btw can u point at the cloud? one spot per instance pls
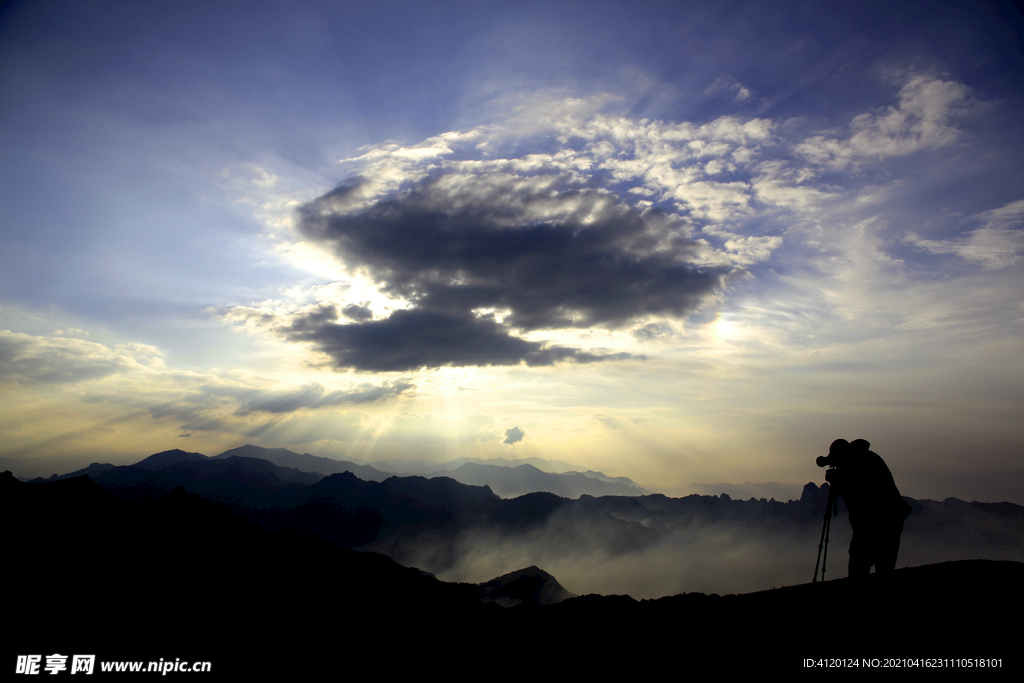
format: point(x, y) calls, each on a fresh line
point(480, 259)
point(505, 245)
point(731, 88)
point(358, 313)
point(553, 256)
point(513, 435)
point(58, 360)
point(996, 245)
point(922, 120)
point(412, 339)
point(314, 396)
point(191, 413)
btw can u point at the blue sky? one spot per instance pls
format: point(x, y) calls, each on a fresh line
point(684, 242)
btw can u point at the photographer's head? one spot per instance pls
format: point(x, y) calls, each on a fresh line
point(837, 454)
point(839, 447)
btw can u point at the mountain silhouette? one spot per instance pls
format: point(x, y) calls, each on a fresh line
point(159, 461)
point(282, 457)
point(465, 532)
point(530, 585)
point(184, 577)
point(511, 482)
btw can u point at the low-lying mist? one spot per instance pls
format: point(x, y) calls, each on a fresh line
point(712, 559)
point(609, 556)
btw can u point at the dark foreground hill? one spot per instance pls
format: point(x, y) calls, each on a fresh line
point(89, 573)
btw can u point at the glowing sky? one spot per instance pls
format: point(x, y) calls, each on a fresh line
point(680, 242)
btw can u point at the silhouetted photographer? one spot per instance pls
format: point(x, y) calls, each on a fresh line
point(877, 510)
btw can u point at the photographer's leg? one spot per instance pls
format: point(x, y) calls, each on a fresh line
point(860, 558)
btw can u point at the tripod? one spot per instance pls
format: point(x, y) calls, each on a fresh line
point(831, 510)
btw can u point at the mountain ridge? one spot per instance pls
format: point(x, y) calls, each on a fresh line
point(129, 555)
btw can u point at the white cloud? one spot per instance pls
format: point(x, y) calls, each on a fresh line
point(998, 244)
point(923, 120)
point(753, 249)
point(59, 360)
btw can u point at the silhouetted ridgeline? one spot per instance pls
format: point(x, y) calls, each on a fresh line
point(647, 546)
point(506, 478)
point(184, 577)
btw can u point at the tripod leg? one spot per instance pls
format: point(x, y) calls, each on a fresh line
point(832, 512)
point(830, 505)
point(824, 560)
point(824, 528)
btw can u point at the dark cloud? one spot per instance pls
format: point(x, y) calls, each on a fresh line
point(357, 312)
point(513, 435)
point(481, 258)
point(417, 338)
point(591, 262)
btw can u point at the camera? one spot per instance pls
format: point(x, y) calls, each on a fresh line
point(831, 474)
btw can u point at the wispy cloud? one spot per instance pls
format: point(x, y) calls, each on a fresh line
point(60, 360)
point(998, 244)
point(313, 396)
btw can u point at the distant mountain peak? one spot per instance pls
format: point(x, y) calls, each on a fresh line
point(163, 459)
point(530, 585)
